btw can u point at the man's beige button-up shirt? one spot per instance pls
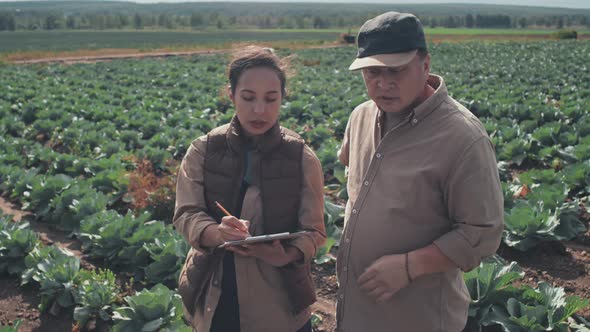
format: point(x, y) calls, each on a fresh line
point(432, 179)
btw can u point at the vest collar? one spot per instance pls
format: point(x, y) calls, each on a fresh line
point(237, 139)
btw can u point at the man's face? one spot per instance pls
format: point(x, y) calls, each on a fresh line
point(394, 89)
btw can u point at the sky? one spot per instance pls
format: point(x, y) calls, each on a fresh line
point(535, 3)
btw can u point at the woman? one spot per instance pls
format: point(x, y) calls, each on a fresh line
point(270, 182)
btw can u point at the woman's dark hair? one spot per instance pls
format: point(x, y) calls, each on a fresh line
point(255, 57)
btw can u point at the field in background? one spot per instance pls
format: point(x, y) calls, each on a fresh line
point(84, 144)
point(145, 40)
point(27, 45)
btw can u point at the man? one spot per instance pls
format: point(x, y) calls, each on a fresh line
point(425, 200)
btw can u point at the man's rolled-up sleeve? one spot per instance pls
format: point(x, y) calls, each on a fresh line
point(190, 212)
point(476, 206)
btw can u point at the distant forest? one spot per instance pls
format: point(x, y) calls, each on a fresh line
point(99, 15)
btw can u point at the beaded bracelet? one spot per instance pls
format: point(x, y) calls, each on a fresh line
point(408, 268)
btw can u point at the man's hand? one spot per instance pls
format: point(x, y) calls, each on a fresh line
point(274, 253)
point(385, 277)
point(233, 229)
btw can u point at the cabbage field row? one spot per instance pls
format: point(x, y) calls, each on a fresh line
point(93, 149)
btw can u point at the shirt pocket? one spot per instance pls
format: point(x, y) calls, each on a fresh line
point(399, 193)
point(413, 194)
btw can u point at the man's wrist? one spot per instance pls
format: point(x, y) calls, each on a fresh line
point(407, 267)
point(414, 265)
point(428, 260)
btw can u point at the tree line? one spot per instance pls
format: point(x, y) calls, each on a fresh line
point(10, 21)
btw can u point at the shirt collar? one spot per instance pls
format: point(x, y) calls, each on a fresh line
point(423, 110)
point(420, 112)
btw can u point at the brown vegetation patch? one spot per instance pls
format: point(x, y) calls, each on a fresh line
point(152, 190)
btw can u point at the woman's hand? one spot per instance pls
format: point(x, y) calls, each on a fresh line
point(233, 229)
point(274, 253)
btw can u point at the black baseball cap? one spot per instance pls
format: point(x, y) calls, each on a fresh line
point(389, 40)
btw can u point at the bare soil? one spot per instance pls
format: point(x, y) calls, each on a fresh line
point(91, 56)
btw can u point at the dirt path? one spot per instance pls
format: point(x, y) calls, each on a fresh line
point(117, 54)
point(47, 234)
point(96, 58)
point(139, 55)
point(22, 302)
point(326, 288)
point(8, 208)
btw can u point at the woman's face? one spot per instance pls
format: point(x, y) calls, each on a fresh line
point(257, 100)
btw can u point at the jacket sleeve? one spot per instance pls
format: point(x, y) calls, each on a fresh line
point(311, 210)
point(190, 217)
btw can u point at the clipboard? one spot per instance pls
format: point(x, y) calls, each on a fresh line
point(264, 238)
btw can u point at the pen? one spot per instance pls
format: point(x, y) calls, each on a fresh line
point(226, 213)
point(223, 209)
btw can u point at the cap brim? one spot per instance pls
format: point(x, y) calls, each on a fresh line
point(383, 60)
